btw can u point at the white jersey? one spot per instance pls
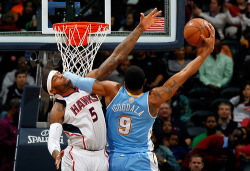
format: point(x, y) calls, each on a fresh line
point(84, 122)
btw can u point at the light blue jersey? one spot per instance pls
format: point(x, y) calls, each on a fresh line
point(129, 124)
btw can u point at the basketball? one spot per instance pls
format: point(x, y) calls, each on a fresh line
point(193, 31)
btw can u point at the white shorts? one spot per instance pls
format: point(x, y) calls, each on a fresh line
point(77, 159)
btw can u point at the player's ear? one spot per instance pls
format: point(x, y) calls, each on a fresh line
point(53, 91)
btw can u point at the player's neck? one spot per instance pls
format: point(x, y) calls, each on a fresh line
point(135, 92)
point(67, 91)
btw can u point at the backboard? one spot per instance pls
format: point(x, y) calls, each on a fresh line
point(116, 13)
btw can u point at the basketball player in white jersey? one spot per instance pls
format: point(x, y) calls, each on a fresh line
point(131, 113)
point(79, 114)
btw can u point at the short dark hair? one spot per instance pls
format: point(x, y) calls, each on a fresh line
point(134, 78)
point(174, 133)
point(227, 103)
point(20, 71)
point(196, 155)
point(211, 115)
point(45, 78)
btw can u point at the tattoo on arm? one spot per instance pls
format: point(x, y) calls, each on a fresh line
point(106, 68)
point(59, 108)
point(52, 117)
point(168, 89)
point(57, 113)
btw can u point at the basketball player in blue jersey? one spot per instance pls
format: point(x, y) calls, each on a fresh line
point(131, 113)
point(79, 113)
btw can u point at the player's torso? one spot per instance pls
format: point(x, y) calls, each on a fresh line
point(84, 122)
point(129, 123)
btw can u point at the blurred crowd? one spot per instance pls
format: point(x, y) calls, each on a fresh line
point(19, 15)
point(206, 125)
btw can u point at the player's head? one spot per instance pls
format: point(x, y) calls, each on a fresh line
point(54, 82)
point(134, 78)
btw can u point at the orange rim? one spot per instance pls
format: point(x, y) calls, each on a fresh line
point(81, 26)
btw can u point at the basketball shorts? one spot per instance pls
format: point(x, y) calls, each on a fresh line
point(78, 159)
point(133, 162)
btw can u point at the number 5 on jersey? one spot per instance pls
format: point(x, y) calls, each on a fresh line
point(125, 124)
point(93, 114)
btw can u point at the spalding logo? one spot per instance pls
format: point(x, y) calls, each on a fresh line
point(41, 139)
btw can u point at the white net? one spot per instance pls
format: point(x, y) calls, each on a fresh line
point(77, 52)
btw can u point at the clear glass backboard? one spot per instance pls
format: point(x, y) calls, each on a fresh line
point(122, 16)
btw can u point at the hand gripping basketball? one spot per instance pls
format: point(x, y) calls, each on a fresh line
point(193, 31)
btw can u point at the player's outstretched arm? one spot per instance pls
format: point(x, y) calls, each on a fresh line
point(91, 85)
point(125, 47)
point(160, 94)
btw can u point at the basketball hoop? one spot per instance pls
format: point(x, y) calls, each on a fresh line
point(78, 43)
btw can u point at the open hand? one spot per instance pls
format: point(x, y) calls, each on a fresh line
point(149, 20)
point(58, 159)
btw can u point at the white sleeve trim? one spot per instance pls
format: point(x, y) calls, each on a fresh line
point(55, 132)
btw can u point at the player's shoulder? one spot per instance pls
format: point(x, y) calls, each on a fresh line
point(115, 86)
point(154, 98)
point(61, 102)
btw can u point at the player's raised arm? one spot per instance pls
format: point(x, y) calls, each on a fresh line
point(160, 94)
point(125, 47)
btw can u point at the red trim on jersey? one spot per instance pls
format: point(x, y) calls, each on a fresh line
point(65, 95)
point(106, 155)
point(83, 142)
point(72, 158)
point(70, 134)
